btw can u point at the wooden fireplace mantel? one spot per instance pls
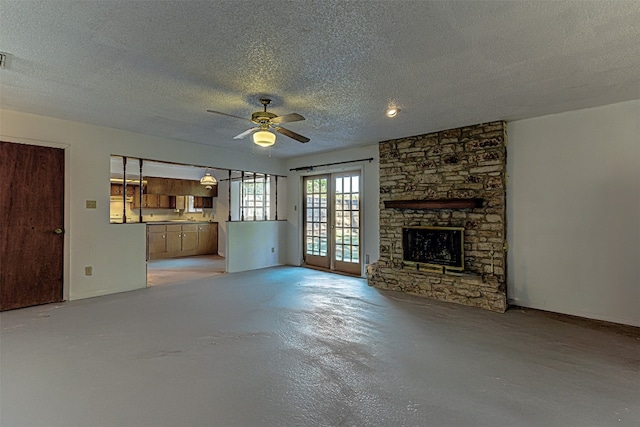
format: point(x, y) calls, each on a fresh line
point(434, 204)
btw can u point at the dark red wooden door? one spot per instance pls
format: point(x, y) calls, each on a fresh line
point(31, 225)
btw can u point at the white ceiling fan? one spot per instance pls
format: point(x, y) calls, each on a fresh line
point(265, 121)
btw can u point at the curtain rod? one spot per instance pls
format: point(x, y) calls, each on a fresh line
point(310, 168)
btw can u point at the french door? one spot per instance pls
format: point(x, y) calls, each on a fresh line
point(332, 212)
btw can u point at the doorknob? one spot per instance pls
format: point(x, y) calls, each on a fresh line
point(58, 231)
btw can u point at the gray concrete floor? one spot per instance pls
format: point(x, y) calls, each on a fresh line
point(293, 346)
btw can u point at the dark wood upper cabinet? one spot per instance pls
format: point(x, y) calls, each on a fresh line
point(160, 193)
point(166, 202)
point(179, 187)
point(203, 202)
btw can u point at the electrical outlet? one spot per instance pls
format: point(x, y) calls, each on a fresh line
point(88, 270)
point(273, 250)
point(91, 204)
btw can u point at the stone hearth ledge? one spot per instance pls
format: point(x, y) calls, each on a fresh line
point(483, 291)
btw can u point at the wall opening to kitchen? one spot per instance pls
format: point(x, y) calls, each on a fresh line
point(187, 220)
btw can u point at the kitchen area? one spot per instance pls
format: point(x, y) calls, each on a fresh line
point(226, 220)
point(180, 212)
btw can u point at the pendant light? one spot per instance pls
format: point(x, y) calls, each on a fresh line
point(208, 180)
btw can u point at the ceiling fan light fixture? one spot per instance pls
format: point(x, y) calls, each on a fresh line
point(208, 180)
point(264, 138)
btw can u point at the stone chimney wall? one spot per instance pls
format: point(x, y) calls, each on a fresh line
point(463, 163)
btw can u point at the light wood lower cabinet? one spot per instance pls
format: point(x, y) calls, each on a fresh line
point(156, 241)
point(208, 238)
point(174, 240)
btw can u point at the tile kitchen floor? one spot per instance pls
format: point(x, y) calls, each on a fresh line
point(177, 270)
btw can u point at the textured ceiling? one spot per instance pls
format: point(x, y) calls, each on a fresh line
point(155, 67)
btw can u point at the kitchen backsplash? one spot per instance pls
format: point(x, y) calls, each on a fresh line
point(156, 215)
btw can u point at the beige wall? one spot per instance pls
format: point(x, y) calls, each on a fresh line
point(573, 219)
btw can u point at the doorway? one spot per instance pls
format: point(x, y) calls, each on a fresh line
point(331, 222)
point(32, 243)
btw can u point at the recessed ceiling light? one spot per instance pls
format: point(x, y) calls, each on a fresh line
point(392, 111)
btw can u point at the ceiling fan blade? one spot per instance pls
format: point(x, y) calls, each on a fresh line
point(293, 135)
point(228, 115)
point(287, 118)
point(246, 132)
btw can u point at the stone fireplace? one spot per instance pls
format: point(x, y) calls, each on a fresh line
point(442, 216)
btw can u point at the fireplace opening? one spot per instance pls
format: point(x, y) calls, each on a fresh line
point(436, 248)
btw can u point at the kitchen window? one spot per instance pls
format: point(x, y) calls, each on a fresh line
point(190, 205)
point(255, 195)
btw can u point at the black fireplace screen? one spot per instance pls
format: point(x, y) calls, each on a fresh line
point(437, 246)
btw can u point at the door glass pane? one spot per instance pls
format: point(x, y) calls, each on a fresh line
point(323, 229)
point(355, 201)
point(347, 253)
point(346, 233)
point(355, 253)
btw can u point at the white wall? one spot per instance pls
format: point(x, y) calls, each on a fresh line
point(573, 201)
point(116, 251)
point(370, 197)
point(255, 244)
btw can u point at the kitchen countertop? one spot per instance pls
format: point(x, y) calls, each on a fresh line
point(164, 222)
point(180, 222)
